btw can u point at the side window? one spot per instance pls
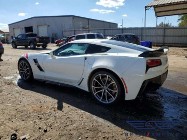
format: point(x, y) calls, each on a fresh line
point(19, 36)
point(129, 37)
point(96, 49)
point(100, 36)
point(90, 36)
point(23, 36)
point(71, 49)
point(80, 37)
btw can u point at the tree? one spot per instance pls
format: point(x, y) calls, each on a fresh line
point(162, 24)
point(182, 21)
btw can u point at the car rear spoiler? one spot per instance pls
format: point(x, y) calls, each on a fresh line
point(155, 53)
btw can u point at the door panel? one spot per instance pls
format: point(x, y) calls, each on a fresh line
point(66, 64)
point(64, 69)
point(19, 40)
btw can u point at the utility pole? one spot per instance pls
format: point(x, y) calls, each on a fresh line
point(122, 26)
point(145, 17)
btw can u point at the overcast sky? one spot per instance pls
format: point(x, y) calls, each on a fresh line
point(131, 11)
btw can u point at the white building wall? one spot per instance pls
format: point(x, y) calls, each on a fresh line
point(57, 25)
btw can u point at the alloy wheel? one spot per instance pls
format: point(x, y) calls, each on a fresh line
point(104, 88)
point(24, 70)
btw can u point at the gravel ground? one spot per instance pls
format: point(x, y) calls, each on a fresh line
point(41, 110)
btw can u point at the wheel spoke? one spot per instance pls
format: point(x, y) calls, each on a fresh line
point(21, 65)
point(101, 79)
point(112, 90)
point(96, 87)
point(23, 75)
point(110, 84)
point(21, 71)
point(106, 79)
point(102, 95)
point(98, 82)
point(110, 95)
point(98, 91)
point(106, 97)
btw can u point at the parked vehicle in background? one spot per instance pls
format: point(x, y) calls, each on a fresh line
point(59, 42)
point(89, 36)
point(83, 36)
point(127, 37)
point(30, 39)
point(1, 50)
point(97, 66)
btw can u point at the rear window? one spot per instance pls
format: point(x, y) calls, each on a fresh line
point(96, 49)
point(90, 36)
point(80, 37)
point(100, 36)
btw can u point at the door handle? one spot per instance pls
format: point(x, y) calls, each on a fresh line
point(85, 58)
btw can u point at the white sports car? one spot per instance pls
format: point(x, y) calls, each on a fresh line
point(110, 70)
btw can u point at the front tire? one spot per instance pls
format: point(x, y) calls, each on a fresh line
point(14, 45)
point(25, 70)
point(105, 88)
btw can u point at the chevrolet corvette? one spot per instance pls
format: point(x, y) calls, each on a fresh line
point(111, 70)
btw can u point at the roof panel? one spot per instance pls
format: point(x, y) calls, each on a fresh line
point(168, 7)
point(168, 13)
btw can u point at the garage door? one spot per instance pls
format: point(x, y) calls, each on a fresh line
point(42, 30)
point(17, 31)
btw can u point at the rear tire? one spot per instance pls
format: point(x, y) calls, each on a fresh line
point(105, 88)
point(25, 70)
point(14, 45)
point(44, 46)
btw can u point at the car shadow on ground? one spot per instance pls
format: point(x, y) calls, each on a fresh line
point(162, 116)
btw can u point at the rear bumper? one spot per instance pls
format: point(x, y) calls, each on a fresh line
point(152, 84)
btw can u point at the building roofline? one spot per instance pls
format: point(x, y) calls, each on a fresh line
point(2, 31)
point(157, 3)
point(59, 16)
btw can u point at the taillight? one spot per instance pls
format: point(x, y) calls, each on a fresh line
point(1, 44)
point(153, 63)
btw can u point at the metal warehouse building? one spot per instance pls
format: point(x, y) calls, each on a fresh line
point(55, 26)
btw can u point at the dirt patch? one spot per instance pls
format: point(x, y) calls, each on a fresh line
point(179, 51)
